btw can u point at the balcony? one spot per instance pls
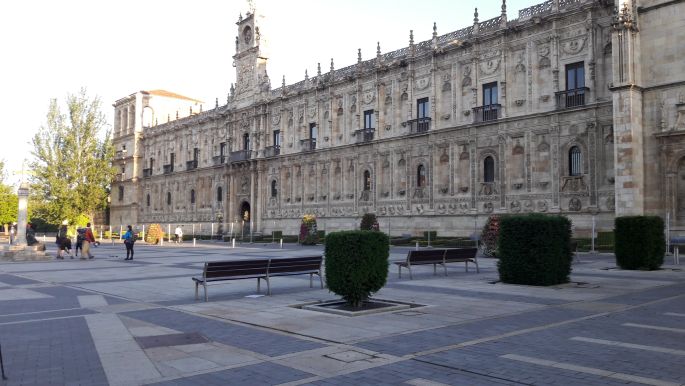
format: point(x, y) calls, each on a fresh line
point(308, 144)
point(147, 172)
point(487, 113)
point(418, 125)
point(219, 159)
point(119, 177)
point(272, 151)
point(571, 98)
point(191, 165)
point(364, 135)
point(240, 155)
point(168, 169)
point(121, 154)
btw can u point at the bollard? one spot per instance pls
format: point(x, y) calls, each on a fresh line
point(281, 243)
point(43, 238)
point(417, 245)
point(193, 241)
point(161, 241)
point(233, 243)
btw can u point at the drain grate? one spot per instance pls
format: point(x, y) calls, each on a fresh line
point(170, 340)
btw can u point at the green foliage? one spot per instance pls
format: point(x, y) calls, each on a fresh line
point(369, 222)
point(154, 234)
point(640, 242)
point(9, 205)
point(356, 264)
point(489, 235)
point(534, 249)
point(72, 163)
point(308, 231)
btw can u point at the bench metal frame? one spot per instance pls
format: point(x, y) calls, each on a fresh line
point(436, 256)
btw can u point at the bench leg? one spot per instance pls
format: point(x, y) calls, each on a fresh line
point(399, 271)
point(321, 280)
point(444, 266)
point(476, 263)
point(435, 271)
point(268, 287)
point(196, 294)
point(466, 263)
point(311, 280)
point(205, 286)
point(259, 280)
point(409, 268)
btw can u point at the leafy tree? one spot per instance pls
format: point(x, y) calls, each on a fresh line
point(72, 166)
point(8, 201)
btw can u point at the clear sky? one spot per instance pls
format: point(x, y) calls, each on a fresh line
point(114, 48)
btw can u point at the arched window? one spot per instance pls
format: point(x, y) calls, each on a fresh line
point(575, 161)
point(421, 176)
point(488, 169)
point(168, 198)
point(274, 189)
point(219, 194)
point(192, 196)
point(367, 180)
point(148, 200)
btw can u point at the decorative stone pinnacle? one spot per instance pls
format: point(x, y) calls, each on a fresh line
point(318, 69)
point(332, 67)
point(435, 30)
point(283, 84)
point(190, 111)
point(168, 118)
point(378, 48)
point(176, 114)
point(306, 76)
point(359, 55)
point(411, 37)
point(504, 7)
point(475, 16)
point(217, 102)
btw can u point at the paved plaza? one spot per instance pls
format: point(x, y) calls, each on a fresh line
point(109, 321)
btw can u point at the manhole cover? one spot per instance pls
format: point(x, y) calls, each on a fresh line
point(170, 340)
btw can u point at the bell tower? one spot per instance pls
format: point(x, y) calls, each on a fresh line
point(250, 57)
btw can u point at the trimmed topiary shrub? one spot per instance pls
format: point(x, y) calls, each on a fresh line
point(356, 264)
point(488, 236)
point(534, 249)
point(308, 233)
point(639, 242)
point(369, 222)
point(153, 234)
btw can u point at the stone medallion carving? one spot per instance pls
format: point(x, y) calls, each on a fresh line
point(466, 80)
point(488, 207)
point(423, 83)
point(275, 119)
point(574, 204)
point(543, 56)
point(611, 203)
point(573, 47)
point(388, 100)
point(369, 97)
point(515, 206)
point(542, 206)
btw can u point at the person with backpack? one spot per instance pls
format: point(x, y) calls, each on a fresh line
point(129, 240)
point(63, 241)
point(80, 236)
point(88, 240)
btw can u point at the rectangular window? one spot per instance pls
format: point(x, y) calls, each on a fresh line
point(277, 138)
point(575, 84)
point(196, 154)
point(172, 160)
point(490, 94)
point(246, 141)
point(121, 193)
point(313, 134)
point(423, 108)
point(152, 163)
point(222, 149)
point(369, 120)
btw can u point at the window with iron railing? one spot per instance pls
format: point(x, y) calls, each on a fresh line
point(313, 135)
point(575, 93)
point(488, 169)
point(422, 115)
point(490, 110)
point(575, 161)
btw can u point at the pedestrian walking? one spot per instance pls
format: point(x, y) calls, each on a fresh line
point(129, 240)
point(88, 240)
point(80, 236)
point(63, 241)
point(179, 234)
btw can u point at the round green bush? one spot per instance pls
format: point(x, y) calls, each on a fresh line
point(534, 249)
point(639, 242)
point(356, 264)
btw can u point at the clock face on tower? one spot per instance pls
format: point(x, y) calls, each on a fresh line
point(247, 35)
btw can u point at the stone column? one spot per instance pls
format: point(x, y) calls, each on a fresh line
point(23, 194)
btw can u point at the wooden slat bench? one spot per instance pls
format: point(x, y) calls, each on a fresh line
point(438, 257)
point(260, 269)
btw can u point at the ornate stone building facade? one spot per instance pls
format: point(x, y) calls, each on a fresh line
point(575, 107)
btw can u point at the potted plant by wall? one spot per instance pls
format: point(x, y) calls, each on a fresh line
point(308, 231)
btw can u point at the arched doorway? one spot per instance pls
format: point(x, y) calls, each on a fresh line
point(245, 217)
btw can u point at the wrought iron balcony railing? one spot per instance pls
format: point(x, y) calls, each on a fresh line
point(487, 113)
point(308, 144)
point(147, 172)
point(418, 125)
point(571, 98)
point(192, 164)
point(364, 135)
point(219, 159)
point(272, 151)
point(240, 155)
point(168, 169)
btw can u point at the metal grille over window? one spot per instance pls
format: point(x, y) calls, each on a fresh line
point(575, 158)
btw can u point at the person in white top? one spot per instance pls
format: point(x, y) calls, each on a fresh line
point(179, 234)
